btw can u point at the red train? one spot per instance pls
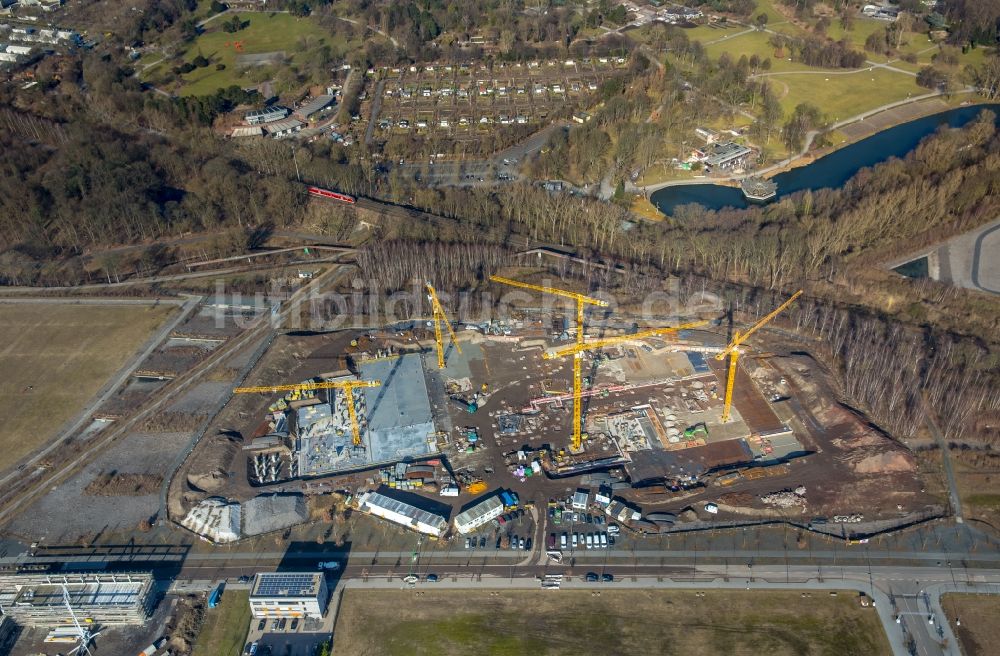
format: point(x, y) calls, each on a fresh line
point(331, 195)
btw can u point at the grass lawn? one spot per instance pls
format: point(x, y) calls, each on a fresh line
point(706, 33)
point(862, 28)
point(265, 33)
point(842, 96)
point(541, 622)
point(980, 615)
point(645, 209)
point(55, 359)
point(773, 16)
point(755, 43)
point(225, 626)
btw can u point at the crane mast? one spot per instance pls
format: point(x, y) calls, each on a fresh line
point(440, 318)
point(733, 352)
point(581, 301)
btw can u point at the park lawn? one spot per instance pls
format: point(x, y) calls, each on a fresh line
point(862, 28)
point(774, 17)
point(706, 33)
point(445, 622)
point(265, 33)
point(56, 357)
point(755, 43)
point(226, 626)
point(979, 632)
point(845, 95)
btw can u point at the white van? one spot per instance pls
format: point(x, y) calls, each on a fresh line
point(604, 540)
point(590, 540)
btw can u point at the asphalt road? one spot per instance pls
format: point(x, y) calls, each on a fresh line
point(907, 599)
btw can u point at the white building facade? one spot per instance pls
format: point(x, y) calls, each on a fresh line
point(289, 595)
point(483, 512)
point(402, 513)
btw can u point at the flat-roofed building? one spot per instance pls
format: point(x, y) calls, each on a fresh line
point(103, 598)
point(728, 155)
point(314, 107)
point(402, 513)
point(266, 115)
point(289, 595)
point(283, 128)
point(482, 512)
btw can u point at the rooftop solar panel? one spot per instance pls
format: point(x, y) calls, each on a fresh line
point(286, 585)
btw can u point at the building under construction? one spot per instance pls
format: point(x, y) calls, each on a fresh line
point(95, 598)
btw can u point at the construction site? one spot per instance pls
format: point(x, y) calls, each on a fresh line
point(677, 423)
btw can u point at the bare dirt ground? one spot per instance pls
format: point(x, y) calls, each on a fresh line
point(116, 484)
point(443, 622)
point(85, 506)
point(55, 358)
point(980, 617)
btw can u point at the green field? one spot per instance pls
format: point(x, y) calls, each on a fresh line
point(842, 96)
point(755, 43)
point(637, 621)
point(295, 37)
point(225, 626)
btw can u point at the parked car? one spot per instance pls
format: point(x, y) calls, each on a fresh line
point(613, 529)
point(521, 544)
point(590, 540)
point(562, 541)
point(591, 577)
point(608, 578)
point(261, 624)
point(274, 625)
point(482, 542)
point(604, 540)
point(513, 542)
point(282, 624)
point(295, 624)
point(432, 578)
point(576, 539)
point(243, 579)
point(468, 543)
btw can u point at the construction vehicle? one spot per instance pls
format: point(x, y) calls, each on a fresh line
point(733, 351)
point(346, 386)
point(476, 487)
point(468, 406)
point(581, 301)
point(439, 318)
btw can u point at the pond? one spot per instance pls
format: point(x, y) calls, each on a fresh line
point(833, 170)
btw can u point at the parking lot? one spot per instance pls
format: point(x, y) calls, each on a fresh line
point(462, 101)
point(290, 637)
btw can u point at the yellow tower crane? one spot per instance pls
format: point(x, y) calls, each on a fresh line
point(733, 351)
point(347, 386)
point(440, 318)
point(581, 301)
